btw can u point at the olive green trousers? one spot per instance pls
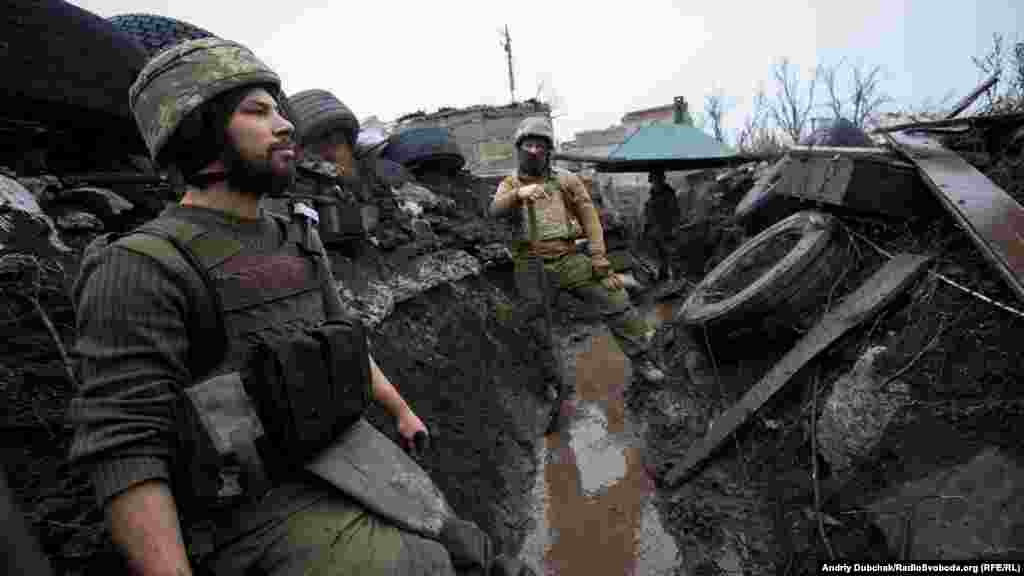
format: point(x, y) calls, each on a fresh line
point(574, 273)
point(331, 535)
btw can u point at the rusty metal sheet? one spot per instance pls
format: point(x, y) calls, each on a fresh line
point(993, 220)
point(819, 179)
point(863, 181)
point(884, 285)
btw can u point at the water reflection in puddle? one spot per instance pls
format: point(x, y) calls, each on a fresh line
point(594, 508)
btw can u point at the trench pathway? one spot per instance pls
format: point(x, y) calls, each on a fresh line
point(593, 500)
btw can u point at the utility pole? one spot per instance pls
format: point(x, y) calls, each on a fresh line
point(507, 45)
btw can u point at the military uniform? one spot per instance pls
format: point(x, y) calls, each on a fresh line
point(154, 404)
point(564, 201)
point(661, 219)
point(566, 268)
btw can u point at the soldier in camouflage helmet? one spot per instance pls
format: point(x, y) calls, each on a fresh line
point(558, 202)
point(210, 111)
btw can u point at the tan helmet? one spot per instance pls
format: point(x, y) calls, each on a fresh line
point(181, 78)
point(537, 126)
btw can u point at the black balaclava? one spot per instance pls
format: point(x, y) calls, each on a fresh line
point(534, 165)
point(202, 139)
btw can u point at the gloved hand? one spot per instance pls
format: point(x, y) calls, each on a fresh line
point(414, 434)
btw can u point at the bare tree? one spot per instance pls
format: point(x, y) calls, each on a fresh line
point(715, 108)
point(755, 135)
point(788, 109)
point(747, 133)
point(864, 98)
point(1007, 94)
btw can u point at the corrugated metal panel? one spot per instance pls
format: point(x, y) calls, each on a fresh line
point(669, 142)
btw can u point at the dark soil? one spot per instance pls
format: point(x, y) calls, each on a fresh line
point(476, 382)
point(754, 498)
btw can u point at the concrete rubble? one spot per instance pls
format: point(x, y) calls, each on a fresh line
point(857, 411)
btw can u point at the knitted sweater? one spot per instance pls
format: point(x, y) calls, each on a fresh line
point(132, 349)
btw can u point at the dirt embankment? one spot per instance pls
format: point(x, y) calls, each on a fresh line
point(435, 286)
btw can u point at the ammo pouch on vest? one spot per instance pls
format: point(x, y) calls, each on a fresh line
point(294, 395)
point(309, 388)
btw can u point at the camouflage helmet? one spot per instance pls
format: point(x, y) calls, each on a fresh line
point(536, 126)
point(181, 78)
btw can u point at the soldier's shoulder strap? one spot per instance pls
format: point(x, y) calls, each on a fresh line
point(189, 251)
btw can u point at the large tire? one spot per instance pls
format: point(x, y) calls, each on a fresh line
point(421, 145)
point(156, 33)
point(776, 277)
point(319, 112)
point(60, 61)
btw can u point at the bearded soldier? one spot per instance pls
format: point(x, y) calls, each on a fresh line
point(171, 420)
point(558, 201)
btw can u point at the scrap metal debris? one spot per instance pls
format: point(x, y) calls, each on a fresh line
point(895, 276)
point(993, 220)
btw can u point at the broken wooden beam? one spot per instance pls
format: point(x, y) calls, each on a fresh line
point(606, 164)
point(953, 122)
point(879, 153)
point(991, 217)
point(887, 283)
point(970, 98)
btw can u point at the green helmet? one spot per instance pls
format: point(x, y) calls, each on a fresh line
point(180, 79)
point(537, 126)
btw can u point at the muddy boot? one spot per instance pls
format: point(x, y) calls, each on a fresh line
point(647, 369)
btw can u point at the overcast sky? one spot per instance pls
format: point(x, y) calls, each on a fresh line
point(596, 60)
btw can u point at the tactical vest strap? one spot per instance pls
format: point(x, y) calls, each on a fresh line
point(190, 252)
point(572, 227)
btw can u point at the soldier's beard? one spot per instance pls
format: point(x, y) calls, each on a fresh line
point(532, 165)
point(256, 177)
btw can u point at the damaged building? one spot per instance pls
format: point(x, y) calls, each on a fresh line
point(483, 134)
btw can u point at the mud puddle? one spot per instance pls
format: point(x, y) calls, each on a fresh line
point(593, 500)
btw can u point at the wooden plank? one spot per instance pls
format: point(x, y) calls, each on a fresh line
point(993, 219)
point(829, 151)
point(970, 98)
point(605, 164)
point(875, 293)
point(964, 122)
